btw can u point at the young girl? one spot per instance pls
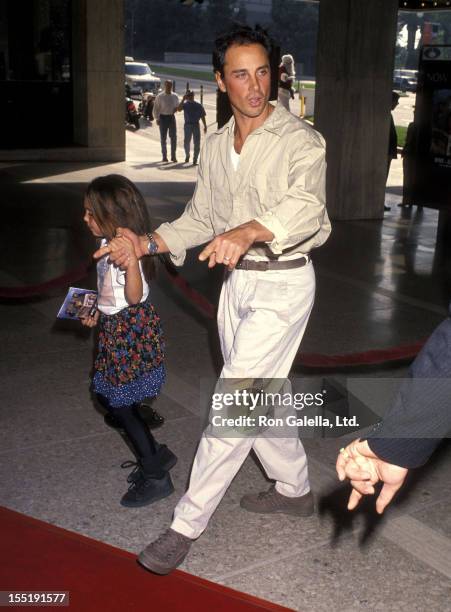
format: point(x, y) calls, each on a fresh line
point(129, 365)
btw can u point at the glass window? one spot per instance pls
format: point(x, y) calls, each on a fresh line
point(137, 69)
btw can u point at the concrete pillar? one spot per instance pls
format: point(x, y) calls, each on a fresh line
point(356, 45)
point(98, 77)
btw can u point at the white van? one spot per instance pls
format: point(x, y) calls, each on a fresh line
point(139, 77)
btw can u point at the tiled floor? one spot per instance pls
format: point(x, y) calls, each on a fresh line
point(380, 284)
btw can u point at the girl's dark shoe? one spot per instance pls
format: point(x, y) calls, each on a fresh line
point(166, 459)
point(147, 490)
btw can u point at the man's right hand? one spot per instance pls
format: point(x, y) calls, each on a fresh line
point(364, 469)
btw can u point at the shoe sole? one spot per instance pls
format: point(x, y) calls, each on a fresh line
point(153, 566)
point(141, 504)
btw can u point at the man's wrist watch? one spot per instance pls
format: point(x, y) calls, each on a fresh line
point(152, 247)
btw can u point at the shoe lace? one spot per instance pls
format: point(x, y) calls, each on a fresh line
point(134, 474)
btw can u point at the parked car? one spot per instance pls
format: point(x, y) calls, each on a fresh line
point(405, 80)
point(139, 77)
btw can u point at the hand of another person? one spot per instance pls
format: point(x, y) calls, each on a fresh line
point(90, 321)
point(364, 469)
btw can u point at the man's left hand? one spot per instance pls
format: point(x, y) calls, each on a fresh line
point(227, 248)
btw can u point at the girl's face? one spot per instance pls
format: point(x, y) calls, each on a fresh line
point(90, 221)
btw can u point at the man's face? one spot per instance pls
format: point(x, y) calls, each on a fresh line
point(168, 87)
point(247, 79)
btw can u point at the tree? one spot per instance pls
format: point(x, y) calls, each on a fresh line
point(168, 25)
point(295, 27)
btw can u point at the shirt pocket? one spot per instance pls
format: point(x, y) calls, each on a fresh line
point(266, 191)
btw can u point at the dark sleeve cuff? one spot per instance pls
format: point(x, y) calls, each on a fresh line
point(404, 452)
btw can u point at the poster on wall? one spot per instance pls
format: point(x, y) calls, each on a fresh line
point(433, 125)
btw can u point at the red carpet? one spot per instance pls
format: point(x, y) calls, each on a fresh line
point(36, 556)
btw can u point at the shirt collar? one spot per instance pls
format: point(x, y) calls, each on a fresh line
point(272, 124)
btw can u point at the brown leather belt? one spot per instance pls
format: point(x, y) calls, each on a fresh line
point(262, 266)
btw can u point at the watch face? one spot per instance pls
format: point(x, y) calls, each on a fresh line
point(152, 247)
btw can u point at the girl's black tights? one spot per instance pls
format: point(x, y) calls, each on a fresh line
point(138, 433)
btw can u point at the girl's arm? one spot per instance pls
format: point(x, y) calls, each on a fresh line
point(133, 288)
point(133, 282)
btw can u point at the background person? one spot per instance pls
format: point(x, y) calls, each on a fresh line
point(164, 109)
point(287, 76)
point(393, 137)
point(408, 154)
point(148, 104)
point(193, 113)
point(413, 427)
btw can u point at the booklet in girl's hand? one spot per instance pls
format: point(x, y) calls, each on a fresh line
point(79, 303)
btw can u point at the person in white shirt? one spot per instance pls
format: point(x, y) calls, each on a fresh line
point(165, 107)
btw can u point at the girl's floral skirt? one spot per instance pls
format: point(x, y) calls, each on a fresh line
point(129, 366)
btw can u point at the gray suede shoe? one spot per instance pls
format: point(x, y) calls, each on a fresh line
point(271, 502)
point(166, 553)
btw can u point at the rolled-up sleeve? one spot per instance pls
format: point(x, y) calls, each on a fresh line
point(301, 213)
point(194, 226)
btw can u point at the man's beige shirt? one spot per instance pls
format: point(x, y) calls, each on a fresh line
point(280, 182)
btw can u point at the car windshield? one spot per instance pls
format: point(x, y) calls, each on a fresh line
point(137, 69)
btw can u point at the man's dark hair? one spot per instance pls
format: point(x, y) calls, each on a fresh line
point(238, 35)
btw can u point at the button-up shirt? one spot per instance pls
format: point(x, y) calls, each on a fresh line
point(165, 104)
point(279, 182)
point(193, 112)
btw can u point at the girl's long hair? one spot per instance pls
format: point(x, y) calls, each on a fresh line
point(117, 202)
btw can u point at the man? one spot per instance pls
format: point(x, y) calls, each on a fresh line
point(393, 137)
point(164, 109)
point(260, 201)
point(193, 113)
point(413, 427)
